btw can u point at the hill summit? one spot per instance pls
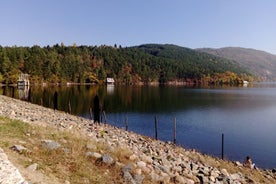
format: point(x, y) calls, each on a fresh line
point(259, 63)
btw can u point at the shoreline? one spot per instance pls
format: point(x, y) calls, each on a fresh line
point(173, 163)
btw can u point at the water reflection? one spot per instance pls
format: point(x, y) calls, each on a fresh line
point(23, 92)
point(245, 115)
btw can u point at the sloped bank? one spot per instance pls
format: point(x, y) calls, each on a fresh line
point(148, 161)
point(8, 172)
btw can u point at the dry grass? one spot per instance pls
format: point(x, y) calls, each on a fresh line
point(70, 163)
point(66, 163)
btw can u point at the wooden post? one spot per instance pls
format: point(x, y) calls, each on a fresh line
point(174, 135)
point(222, 146)
point(41, 101)
point(69, 107)
point(156, 128)
point(126, 123)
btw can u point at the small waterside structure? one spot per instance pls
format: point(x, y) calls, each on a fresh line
point(23, 80)
point(245, 83)
point(110, 81)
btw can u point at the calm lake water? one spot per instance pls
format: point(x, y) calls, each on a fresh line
point(245, 115)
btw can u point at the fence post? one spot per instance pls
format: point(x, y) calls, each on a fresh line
point(69, 107)
point(91, 113)
point(126, 123)
point(55, 101)
point(222, 146)
point(12, 92)
point(174, 135)
point(104, 115)
point(156, 128)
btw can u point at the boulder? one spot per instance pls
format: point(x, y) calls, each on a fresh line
point(18, 148)
point(32, 167)
point(107, 159)
point(50, 144)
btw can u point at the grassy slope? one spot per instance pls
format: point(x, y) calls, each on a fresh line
point(73, 166)
point(57, 166)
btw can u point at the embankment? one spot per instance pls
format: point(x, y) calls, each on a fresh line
point(147, 161)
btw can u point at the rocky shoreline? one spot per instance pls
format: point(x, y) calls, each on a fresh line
point(161, 162)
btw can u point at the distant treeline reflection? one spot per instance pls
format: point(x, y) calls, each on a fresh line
point(119, 99)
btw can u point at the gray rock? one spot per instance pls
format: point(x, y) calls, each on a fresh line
point(127, 168)
point(141, 164)
point(224, 172)
point(215, 173)
point(138, 178)
point(204, 170)
point(107, 159)
point(128, 178)
point(19, 148)
point(212, 178)
point(50, 144)
point(164, 169)
point(93, 154)
point(146, 159)
point(237, 163)
point(32, 167)
point(235, 176)
point(166, 177)
point(155, 177)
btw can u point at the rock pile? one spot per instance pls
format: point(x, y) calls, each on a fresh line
point(161, 162)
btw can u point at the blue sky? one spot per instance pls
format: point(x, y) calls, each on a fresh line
point(188, 23)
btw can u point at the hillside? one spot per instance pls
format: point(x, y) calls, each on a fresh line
point(259, 63)
point(150, 63)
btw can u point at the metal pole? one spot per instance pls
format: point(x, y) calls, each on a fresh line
point(174, 139)
point(126, 123)
point(105, 120)
point(91, 113)
point(222, 146)
point(156, 128)
point(69, 107)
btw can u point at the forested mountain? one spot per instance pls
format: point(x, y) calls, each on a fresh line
point(131, 65)
point(259, 63)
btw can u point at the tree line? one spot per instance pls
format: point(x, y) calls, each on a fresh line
point(130, 65)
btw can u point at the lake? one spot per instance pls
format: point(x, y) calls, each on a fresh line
point(245, 115)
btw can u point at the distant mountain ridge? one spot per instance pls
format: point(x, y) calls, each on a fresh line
point(258, 62)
